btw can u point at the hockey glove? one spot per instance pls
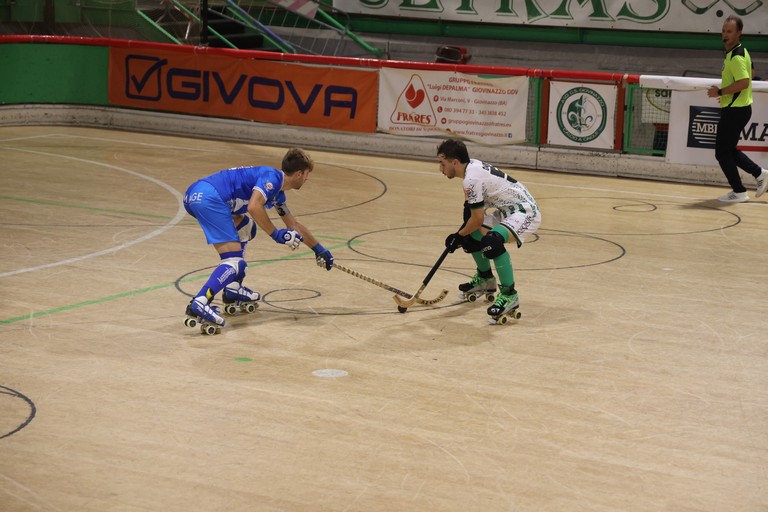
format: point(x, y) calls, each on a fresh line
point(453, 242)
point(324, 257)
point(288, 237)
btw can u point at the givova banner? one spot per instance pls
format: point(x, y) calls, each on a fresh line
point(582, 115)
point(230, 87)
point(481, 108)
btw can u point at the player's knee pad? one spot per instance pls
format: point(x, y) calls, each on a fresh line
point(238, 264)
point(469, 244)
point(246, 229)
point(493, 245)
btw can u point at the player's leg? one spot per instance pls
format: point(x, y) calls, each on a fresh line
point(246, 229)
point(483, 282)
point(215, 218)
point(518, 226)
point(742, 117)
point(727, 138)
point(236, 294)
point(494, 249)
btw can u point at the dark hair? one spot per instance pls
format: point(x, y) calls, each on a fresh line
point(296, 160)
point(737, 20)
point(453, 149)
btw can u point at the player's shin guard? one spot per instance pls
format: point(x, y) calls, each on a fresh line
point(231, 268)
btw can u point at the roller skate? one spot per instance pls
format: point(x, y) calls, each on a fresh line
point(505, 307)
point(205, 315)
point(238, 297)
point(478, 286)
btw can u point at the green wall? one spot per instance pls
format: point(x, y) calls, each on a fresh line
point(52, 73)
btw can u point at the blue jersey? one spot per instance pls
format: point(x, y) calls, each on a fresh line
point(214, 199)
point(236, 185)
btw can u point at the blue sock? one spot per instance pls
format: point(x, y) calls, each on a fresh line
point(220, 277)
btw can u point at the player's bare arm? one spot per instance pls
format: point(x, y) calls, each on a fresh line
point(259, 213)
point(474, 222)
point(292, 223)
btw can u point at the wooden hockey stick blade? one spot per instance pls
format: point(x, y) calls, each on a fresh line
point(418, 300)
point(405, 304)
point(355, 273)
point(437, 299)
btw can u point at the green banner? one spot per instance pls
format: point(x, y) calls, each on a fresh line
point(53, 73)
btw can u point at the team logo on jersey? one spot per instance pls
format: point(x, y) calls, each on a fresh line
point(581, 114)
point(269, 186)
point(702, 126)
point(413, 105)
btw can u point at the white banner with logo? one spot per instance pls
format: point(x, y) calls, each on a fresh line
point(693, 127)
point(485, 109)
point(693, 120)
point(582, 115)
point(694, 16)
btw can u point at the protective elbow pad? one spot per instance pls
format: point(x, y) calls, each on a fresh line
point(493, 245)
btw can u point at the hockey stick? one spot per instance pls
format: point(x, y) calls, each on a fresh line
point(398, 293)
point(403, 305)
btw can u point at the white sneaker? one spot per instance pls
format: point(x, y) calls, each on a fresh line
point(734, 197)
point(762, 183)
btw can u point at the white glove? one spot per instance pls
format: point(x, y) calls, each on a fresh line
point(288, 237)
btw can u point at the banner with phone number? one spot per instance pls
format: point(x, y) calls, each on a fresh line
point(485, 109)
point(272, 92)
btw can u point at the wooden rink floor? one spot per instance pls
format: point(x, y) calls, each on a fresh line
point(636, 379)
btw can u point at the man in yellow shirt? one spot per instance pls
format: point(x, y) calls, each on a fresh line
point(735, 93)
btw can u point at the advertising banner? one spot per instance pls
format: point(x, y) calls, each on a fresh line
point(582, 115)
point(694, 116)
point(481, 108)
point(693, 128)
point(694, 16)
point(217, 85)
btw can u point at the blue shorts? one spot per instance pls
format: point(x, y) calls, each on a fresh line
point(204, 203)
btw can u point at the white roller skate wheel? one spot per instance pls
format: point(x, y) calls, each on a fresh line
point(190, 322)
point(490, 297)
point(249, 308)
point(208, 329)
point(471, 297)
point(230, 309)
point(502, 320)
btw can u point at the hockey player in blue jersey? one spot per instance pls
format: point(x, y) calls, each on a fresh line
point(230, 206)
